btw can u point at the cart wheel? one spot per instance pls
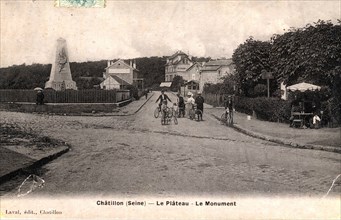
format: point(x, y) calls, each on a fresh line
point(156, 112)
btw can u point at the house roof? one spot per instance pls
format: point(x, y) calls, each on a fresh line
point(122, 61)
point(224, 62)
point(170, 59)
point(179, 52)
point(214, 65)
point(194, 64)
point(118, 79)
point(210, 68)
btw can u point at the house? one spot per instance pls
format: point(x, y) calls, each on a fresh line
point(214, 70)
point(177, 64)
point(122, 73)
point(114, 82)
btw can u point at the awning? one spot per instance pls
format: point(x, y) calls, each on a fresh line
point(166, 84)
point(302, 87)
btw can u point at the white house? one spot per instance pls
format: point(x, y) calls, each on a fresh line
point(214, 70)
point(177, 65)
point(125, 73)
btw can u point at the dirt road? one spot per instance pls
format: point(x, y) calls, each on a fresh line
point(136, 155)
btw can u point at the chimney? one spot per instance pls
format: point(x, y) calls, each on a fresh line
point(109, 62)
point(134, 64)
point(131, 63)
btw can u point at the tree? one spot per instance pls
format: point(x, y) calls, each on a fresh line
point(250, 59)
point(176, 83)
point(311, 53)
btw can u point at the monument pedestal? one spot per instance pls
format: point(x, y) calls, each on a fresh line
point(60, 76)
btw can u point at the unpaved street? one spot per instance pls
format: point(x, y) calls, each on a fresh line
point(136, 155)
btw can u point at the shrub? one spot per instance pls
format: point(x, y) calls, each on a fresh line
point(260, 90)
point(270, 109)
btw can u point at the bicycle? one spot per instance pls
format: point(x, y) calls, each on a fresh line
point(227, 118)
point(195, 113)
point(168, 115)
point(157, 112)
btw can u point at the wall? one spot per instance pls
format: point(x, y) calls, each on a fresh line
point(68, 96)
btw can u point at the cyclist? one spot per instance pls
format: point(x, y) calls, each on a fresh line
point(228, 104)
point(162, 97)
point(199, 100)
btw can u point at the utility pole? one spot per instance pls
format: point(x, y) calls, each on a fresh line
point(267, 75)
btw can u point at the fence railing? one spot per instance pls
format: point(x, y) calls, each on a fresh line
point(67, 96)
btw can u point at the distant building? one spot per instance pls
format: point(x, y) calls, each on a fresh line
point(177, 64)
point(122, 73)
point(213, 71)
point(113, 82)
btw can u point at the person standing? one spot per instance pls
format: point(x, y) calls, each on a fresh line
point(189, 104)
point(181, 105)
point(40, 97)
point(199, 100)
point(146, 93)
point(228, 104)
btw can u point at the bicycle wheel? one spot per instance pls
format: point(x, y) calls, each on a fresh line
point(170, 112)
point(175, 120)
point(223, 118)
point(156, 112)
point(162, 120)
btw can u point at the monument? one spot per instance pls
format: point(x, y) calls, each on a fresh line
point(60, 76)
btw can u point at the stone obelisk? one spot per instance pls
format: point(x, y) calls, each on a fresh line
point(60, 76)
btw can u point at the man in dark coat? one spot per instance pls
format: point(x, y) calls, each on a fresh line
point(162, 97)
point(199, 100)
point(40, 97)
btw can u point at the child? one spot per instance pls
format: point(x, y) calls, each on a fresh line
point(316, 121)
point(175, 109)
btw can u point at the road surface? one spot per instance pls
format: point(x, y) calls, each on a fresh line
point(136, 155)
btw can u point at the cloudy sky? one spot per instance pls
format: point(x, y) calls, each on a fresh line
point(128, 29)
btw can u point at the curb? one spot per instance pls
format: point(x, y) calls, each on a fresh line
point(143, 104)
point(283, 142)
point(36, 164)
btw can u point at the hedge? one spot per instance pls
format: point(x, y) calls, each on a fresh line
point(269, 109)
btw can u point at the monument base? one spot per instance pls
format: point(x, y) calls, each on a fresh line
point(58, 86)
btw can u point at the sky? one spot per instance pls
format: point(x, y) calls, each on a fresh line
point(131, 29)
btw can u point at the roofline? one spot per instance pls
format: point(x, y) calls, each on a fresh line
point(124, 63)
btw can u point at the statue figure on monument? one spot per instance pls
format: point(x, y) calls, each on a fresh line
point(60, 76)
